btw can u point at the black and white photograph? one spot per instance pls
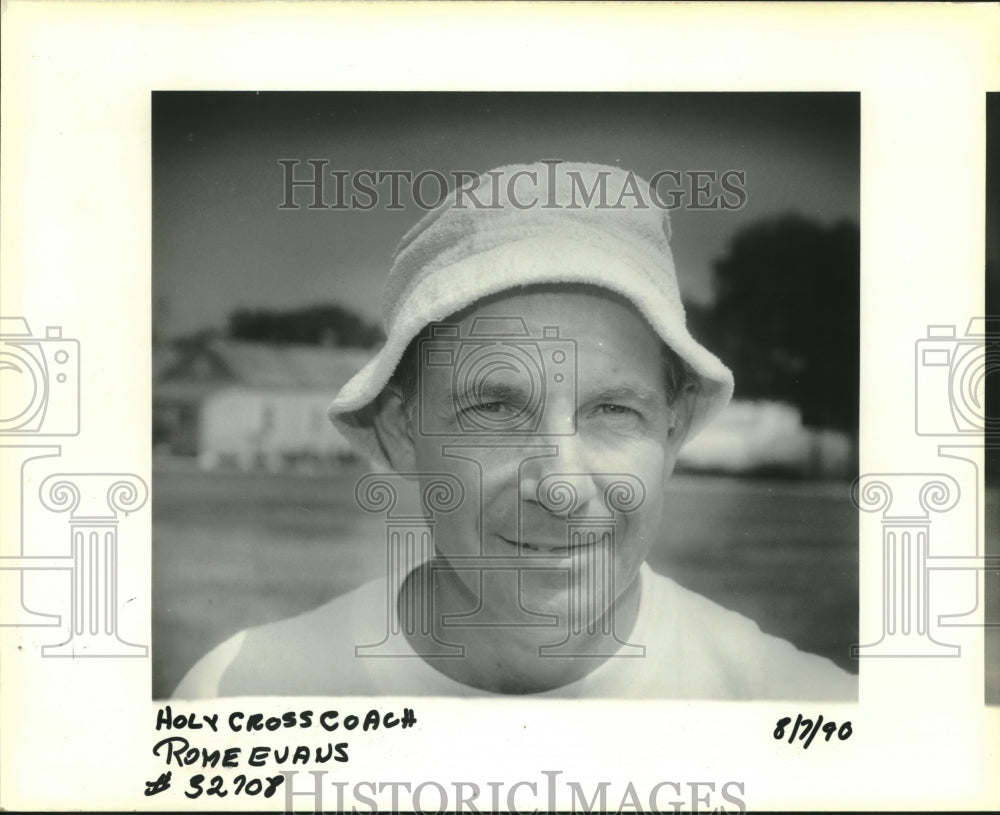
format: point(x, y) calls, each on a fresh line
point(991, 399)
point(444, 394)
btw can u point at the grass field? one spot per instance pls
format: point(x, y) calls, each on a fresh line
point(237, 549)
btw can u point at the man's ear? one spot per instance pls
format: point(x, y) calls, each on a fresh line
point(683, 410)
point(393, 430)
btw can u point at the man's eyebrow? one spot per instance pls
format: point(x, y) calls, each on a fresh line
point(626, 392)
point(490, 392)
point(516, 394)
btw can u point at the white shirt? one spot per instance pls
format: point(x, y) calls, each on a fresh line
point(694, 649)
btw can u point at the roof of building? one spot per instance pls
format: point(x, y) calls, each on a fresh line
point(281, 367)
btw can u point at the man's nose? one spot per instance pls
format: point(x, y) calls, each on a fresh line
point(565, 483)
point(557, 416)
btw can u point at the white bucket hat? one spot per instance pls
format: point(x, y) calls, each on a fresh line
point(523, 225)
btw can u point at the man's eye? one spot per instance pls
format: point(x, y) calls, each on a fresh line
point(617, 410)
point(484, 407)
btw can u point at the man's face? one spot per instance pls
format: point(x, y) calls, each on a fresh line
point(537, 455)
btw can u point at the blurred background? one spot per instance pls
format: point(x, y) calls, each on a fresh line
point(261, 313)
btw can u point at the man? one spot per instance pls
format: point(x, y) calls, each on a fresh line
point(536, 386)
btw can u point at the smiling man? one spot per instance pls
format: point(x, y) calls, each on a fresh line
point(536, 386)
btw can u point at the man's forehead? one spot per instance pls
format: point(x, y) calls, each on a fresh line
point(553, 334)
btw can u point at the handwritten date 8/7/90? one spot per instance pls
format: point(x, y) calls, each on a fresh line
point(806, 730)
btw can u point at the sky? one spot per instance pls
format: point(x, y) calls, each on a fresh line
point(221, 240)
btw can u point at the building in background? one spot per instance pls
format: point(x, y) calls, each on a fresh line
point(252, 405)
point(768, 438)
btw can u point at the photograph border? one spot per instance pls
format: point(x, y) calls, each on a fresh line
point(75, 256)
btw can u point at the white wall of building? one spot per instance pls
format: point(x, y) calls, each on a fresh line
point(252, 427)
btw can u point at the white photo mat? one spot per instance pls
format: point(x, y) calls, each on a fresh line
point(77, 83)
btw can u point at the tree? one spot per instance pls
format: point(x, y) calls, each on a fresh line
point(331, 325)
point(786, 316)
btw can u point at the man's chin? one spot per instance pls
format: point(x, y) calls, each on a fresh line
point(564, 594)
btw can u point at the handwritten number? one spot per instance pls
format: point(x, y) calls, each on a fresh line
point(795, 730)
point(195, 782)
point(779, 731)
point(805, 730)
point(813, 731)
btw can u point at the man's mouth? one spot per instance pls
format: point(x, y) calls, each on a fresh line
point(555, 549)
